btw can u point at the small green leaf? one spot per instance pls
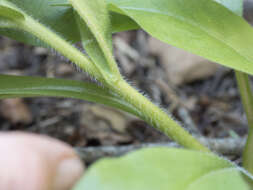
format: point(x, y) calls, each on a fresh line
point(10, 13)
point(21, 86)
point(59, 19)
point(92, 48)
point(119, 22)
point(165, 169)
point(95, 28)
point(203, 27)
point(122, 23)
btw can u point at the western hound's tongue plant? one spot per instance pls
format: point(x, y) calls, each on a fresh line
point(212, 29)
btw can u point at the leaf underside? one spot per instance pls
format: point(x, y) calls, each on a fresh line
point(59, 19)
point(163, 169)
point(95, 31)
point(203, 27)
point(10, 13)
point(22, 86)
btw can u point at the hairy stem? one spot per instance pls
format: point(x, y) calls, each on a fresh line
point(62, 46)
point(156, 117)
point(247, 101)
point(100, 33)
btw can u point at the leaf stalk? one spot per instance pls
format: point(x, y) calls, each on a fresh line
point(247, 101)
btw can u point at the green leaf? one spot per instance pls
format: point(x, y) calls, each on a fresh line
point(10, 13)
point(96, 16)
point(234, 5)
point(203, 27)
point(22, 86)
point(164, 169)
point(119, 22)
point(59, 19)
point(96, 34)
point(92, 48)
point(122, 23)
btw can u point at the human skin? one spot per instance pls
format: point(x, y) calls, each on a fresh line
point(35, 162)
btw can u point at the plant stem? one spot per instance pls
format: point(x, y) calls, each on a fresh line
point(247, 153)
point(55, 41)
point(247, 101)
point(157, 117)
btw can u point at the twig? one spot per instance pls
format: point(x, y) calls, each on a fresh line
point(226, 146)
point(185, 116)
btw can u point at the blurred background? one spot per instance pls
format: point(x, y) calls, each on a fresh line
point(202, 95)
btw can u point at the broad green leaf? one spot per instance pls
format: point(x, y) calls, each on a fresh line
point(22, 86)
point(203, 27)
point(96, 33)
point(165, 169)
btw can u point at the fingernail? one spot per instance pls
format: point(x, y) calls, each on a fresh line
point(68, 173)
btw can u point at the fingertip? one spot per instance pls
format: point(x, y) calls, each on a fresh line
point(50, 162)
point(68, 173)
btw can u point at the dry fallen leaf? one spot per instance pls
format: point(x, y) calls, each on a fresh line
point(15, 110)
point(106, 125)
point(181, 66)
